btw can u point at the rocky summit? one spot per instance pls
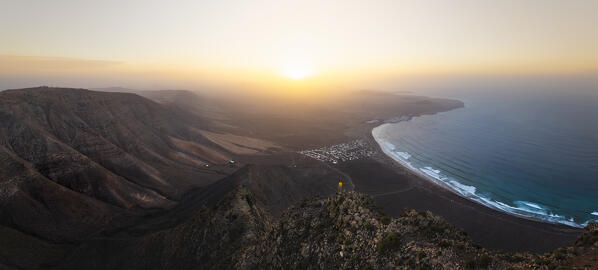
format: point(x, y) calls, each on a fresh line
point(347, 231)
point(344, 231)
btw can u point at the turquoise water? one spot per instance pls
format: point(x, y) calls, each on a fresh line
point(528, 153)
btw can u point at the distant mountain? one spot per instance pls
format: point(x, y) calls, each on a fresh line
point(74, 160)
point(296, 123)
point(208, 109)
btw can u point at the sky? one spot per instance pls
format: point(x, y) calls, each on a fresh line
point(282, 44)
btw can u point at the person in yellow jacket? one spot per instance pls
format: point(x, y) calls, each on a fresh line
point(340, 185)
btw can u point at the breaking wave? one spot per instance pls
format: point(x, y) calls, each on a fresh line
point(518, 208)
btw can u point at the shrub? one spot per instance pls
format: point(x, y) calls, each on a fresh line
point(385, 220)
point(514, 258)
point(304, 203)
point(587, 240)
point(319, 237)
point(249, 200)
point(432, 230)
point(422, 267)
point(389, 243)
point(347, 242)
point(331, 237)
point(560, 254)
point(470, 264)
point(428, 233)
point(444, 243)
point(484, 261)
point(543, 261)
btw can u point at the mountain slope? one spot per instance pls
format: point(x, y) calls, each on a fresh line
point(21, 251)
point(73, 161)
point(124, 133)
point(34, 204)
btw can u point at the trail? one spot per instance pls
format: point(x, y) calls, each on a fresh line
point(392, 192)
point(346, 178)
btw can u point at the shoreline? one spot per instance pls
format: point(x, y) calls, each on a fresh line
point(460, 190)
point(395, 189)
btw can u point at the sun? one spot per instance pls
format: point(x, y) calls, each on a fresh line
point(297, 71)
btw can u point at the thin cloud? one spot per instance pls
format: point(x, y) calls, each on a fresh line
point(12, 63)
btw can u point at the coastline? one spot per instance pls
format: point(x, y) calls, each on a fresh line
point(395, 188)
point(453, 186)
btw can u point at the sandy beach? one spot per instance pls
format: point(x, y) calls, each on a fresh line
point(395, 188)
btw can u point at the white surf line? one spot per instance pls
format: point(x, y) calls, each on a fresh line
point(469, 192)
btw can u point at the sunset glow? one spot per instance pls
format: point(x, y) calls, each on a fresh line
point(296, 71)
point(195, 44)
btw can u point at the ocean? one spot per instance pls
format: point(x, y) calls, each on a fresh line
point(527, 152)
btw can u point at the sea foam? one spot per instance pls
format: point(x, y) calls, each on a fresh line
point(463, 189)
point(404, 155)
point(521, 208)
point(533, 205)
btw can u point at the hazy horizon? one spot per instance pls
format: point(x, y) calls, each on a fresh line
point(287, 46)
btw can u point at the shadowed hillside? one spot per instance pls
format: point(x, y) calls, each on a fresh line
point(73, 160)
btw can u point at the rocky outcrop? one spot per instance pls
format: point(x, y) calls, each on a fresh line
point(343, 231)
point(346, 231)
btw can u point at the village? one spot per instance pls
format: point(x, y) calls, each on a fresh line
point(341, 152)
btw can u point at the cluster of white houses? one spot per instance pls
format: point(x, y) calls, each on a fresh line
point(341, 152)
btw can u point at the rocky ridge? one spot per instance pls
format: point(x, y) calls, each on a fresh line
point(347, 231)
point(344, 231)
